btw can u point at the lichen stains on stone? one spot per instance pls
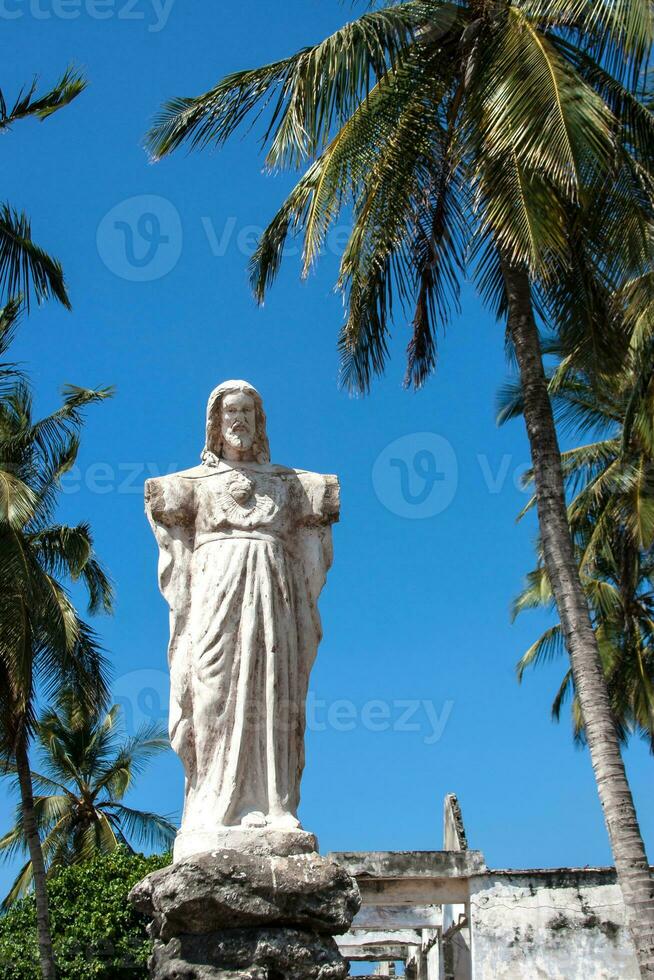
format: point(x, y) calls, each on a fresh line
point(559, 923)
point(522, 940)
point(611, 930)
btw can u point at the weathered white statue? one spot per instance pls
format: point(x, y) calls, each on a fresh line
point(245, 547)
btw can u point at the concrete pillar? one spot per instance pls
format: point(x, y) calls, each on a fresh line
point(412, 964)
point(431, 953)
point(417, 964)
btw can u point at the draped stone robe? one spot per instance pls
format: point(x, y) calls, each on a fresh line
point(244, 553)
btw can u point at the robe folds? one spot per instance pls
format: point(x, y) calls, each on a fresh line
point(244, 553)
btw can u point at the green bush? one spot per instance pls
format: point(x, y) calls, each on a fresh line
point(96, 932)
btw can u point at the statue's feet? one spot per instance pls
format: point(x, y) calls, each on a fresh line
point(253, 819)
point(283, 821)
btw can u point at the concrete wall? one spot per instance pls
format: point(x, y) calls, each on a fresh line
point(549, 925)
point(457, 962)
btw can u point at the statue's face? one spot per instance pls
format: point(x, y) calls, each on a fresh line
point(238, 424)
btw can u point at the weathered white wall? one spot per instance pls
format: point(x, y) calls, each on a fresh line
point(549, 925)
point(460, 964)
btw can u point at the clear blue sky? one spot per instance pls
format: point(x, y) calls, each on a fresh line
point(416, 611)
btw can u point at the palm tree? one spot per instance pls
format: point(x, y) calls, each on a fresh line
point(507, 134)
point(85, 770)
point(611, 516)
point(44, 644)
point(619, 591)
point(24, 266)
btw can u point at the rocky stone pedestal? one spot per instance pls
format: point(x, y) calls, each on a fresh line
point(226, 915)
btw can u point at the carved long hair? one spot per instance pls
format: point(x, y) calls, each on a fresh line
point(213, 450)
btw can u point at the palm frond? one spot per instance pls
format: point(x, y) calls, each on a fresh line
point(634, 117)
point(13, 841)
point(536, 594)
point(148, 829)
point(641, 383)
point(510, 401)
point(308, 94)
point(10, 373)
point(28, 103)
point(18, 502)
point(538, 108)
point(438, 259)
point(24, 266)
point(407, 241)
point(547, 647)
point(20, 887)
point(68, 653)
point(68, 551)
point(618, 33)
point(564, 692)
point(132, 758)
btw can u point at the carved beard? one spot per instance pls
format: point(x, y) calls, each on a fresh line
point(241, 440)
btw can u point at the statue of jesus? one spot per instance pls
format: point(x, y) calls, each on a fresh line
point(245, 547)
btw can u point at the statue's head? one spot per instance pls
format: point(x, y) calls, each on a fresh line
point(236, 425)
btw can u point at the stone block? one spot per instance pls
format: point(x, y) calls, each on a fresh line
point(228, 890)
point(249, 954)
point(224, 914)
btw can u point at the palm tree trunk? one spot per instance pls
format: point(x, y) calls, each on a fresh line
point(629, 854)
point(46, 952)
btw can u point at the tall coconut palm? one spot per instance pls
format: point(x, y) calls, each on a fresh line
point(24, 266)
point(496, 132)
point(611, 516)
point(44, 644)
point(86, 768)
